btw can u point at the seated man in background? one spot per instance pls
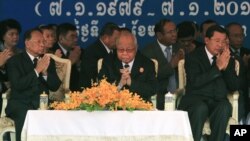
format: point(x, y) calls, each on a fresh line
point(103, 46)
point(29, 75)
point(242, 54)
point(186, 36)
point(130, 69)
point(67, 38)
point(211, 74)
point(165, 50)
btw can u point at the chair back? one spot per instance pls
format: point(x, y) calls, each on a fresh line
point(63, 69)
point(4, 102)
point(181, 74)
point(99, 64)
point(156, 66)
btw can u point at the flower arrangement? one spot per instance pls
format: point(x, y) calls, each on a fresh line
point(102, 96)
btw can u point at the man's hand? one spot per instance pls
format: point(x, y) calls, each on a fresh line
point(125, 77)
point(43, 64)
point(176, 58)
point(75, 54)
point(223, 59)
point(4, 56)
point(58, 53)
point(245, 59)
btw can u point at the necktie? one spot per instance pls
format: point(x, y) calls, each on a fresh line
point(214, 60)
point(35, 62)
point(126, 66)
point(168, 53)
point(172, 84)
point(111, 53)
point(67, 54)
point(237, 52)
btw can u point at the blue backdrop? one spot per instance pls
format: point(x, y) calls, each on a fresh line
point(138, 15)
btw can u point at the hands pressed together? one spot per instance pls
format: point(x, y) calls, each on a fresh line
point(177, 57)
point(43, 64)
point(4, 56)
point(75, 54)
point(223, 59)
point(125, 77)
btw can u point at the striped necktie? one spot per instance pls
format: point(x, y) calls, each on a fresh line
point(168, 53)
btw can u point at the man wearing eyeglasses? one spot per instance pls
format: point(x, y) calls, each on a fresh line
point(236, 39)
point(210, 73)
point(165, 50)
point(130, 69)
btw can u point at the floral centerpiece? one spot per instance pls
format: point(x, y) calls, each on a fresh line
point(102, 96)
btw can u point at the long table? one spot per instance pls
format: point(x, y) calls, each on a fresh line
point(49, 125)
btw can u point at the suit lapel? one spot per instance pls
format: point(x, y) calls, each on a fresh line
point(118, 66)
point(27, 61)
point(135, 67)
point(204, 58)
point(159, 54)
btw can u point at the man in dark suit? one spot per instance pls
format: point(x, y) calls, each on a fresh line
point(130, 69)
point(102, 47)
point(67, 44)
point(166, 36)
point(211, 74)
point(236, 39)
point(28, 78)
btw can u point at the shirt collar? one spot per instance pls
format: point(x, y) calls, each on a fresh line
point(234, 50)
point(107, 49)
point(210, 56)
point(130, 64)
point(63, 49)
point(163, 47)
point(31, 56)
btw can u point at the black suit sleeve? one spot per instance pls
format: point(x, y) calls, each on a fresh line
point(196, 74)
point(20, 79)
point(53, 80)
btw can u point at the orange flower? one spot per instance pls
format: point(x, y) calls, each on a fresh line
point(103, 96)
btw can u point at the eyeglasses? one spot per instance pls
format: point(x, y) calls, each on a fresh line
point(128, 50)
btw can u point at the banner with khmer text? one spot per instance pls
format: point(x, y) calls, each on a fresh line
point(138, 15)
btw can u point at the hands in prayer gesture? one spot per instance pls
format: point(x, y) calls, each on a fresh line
point(43, 64)
point(223, 58)
point(125, 77)
point(74, 55)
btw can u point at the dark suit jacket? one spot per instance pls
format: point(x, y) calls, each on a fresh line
point(244, 106)
point(153, 50)
point(206, 81)
point(74, 75)
point(26, 87)
point(89, 63)
point(142, 75)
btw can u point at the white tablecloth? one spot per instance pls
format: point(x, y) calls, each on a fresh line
point(106, 126)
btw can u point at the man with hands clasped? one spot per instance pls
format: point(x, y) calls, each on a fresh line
point(29, 75)
point(211, 74)
point(130, 69)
